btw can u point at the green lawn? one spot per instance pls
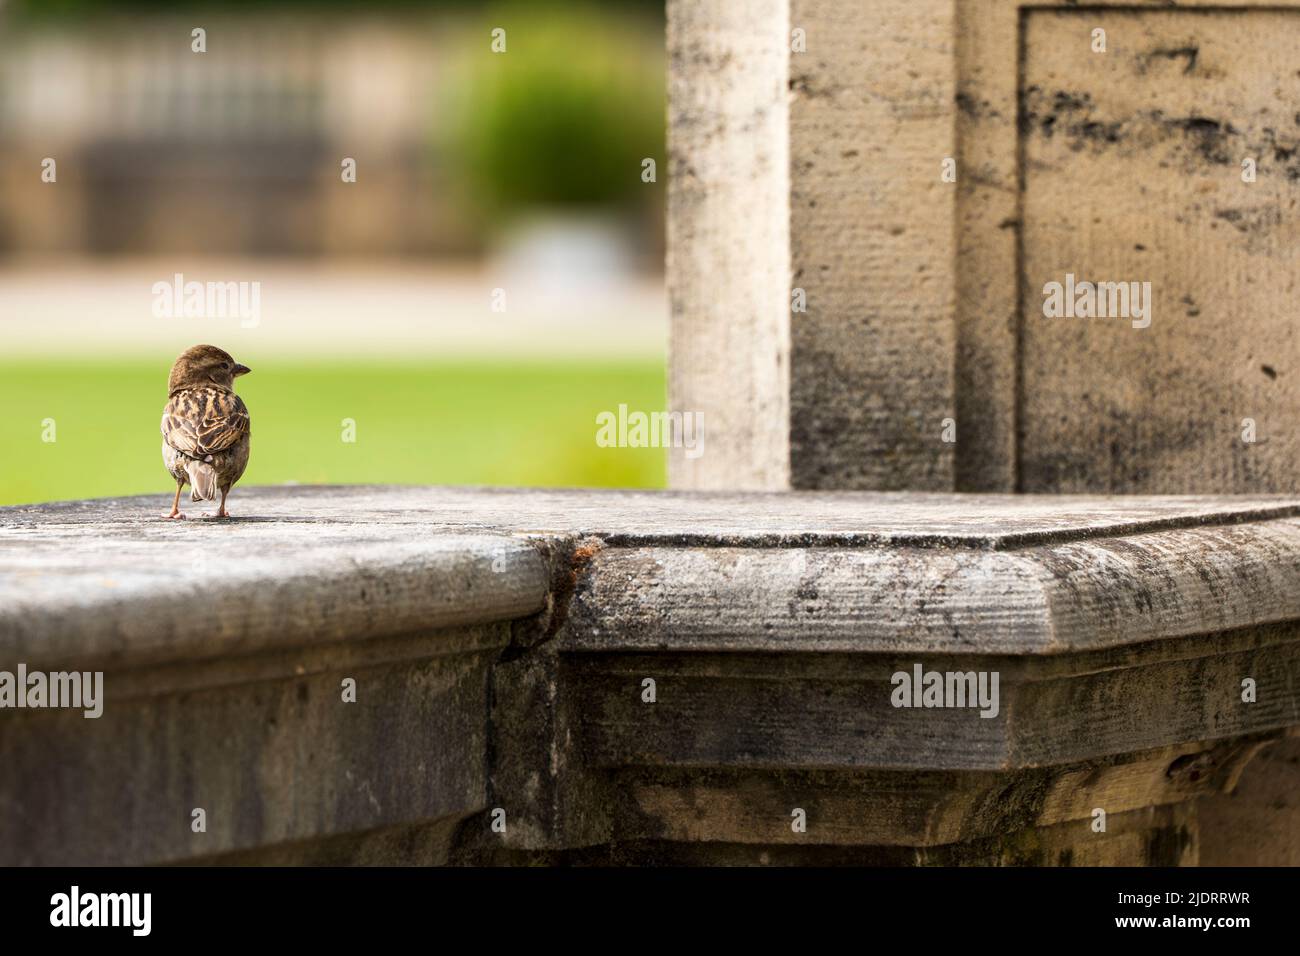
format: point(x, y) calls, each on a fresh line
point(463, 423)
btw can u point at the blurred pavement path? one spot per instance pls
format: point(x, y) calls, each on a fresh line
point(321, 310)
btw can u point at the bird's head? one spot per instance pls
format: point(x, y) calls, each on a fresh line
point(203, 365)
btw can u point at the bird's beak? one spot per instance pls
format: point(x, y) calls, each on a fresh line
point(241, 370)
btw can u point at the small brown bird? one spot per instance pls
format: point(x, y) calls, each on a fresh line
point(205, 426)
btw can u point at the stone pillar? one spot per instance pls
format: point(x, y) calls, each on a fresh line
point(1155, 150)
point(729, 239)
point(808, 223)
point(1109, 144)
point(872, 241)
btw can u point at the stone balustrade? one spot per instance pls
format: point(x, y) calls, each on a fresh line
point(598, 676)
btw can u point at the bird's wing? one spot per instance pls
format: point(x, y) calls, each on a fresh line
point(203, 421)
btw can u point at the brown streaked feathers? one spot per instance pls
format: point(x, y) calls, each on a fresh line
point(205, 426)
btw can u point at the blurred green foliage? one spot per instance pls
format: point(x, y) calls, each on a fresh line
point(472, 423)
point(566, 115)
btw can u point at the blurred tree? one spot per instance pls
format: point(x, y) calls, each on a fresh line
point(566, 115)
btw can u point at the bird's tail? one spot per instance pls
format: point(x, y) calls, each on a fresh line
point(203, 479)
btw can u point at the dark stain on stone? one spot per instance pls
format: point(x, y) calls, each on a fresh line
point(1066, 102)
point(1270, 371)
point(1060, 110)
point(974, 109)
point(566, 579)
point(1210, 581)
point(1095, 130)
point(1188, 53)
point(1284, 152)
point(1090, 466)
point(1193, 141)
point(1165, 847)
point(1210, 136)
point(1026, 117)
point(1250, 220)
point(1200, 124)
point(1234, 216)
point(806, 87)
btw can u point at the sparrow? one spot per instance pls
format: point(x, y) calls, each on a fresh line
point(205, 426)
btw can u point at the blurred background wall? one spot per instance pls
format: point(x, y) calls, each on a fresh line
point(488, 284)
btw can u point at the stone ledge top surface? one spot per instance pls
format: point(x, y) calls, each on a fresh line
point(319, 563)
point(778, 519)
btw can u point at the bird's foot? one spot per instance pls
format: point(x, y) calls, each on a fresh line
point(176, 516)
point(219, 515)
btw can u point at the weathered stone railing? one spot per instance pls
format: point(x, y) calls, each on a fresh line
point(600, 676)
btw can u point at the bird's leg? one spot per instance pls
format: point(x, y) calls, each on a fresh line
point(222, 512)
point(176, 504)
